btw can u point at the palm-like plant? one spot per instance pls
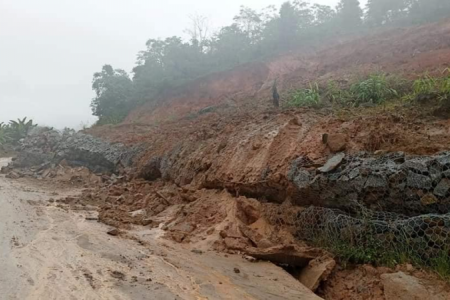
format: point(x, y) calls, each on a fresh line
point(3, 133)
point(20, 128)
point(15, 131)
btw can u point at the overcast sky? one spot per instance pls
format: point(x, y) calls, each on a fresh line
point(49, 49)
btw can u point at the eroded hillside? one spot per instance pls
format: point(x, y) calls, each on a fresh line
point(408, 51)
point(216, 167)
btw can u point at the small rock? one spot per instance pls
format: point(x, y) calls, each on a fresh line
point(118, 275)
point(429, 199)
point(409, 268)
point(332, 163)
point(249, 258)
point(236, 270)
point(114, 232)
point(380, 152)
point(337, 142)
point(442, 188)
point(196, 251)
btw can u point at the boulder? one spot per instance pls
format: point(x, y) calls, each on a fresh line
point(399, 286)
point(318, 270)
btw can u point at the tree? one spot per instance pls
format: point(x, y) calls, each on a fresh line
point(284, 31)
point(171, 62)
point(288, 24)
point(250, 22)
point(232, 46)
point(349, 14)
point(113, 89)
point(199, 31)
point(428, 10)
point(385, 12)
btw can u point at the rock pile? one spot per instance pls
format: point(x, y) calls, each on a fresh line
point(46, 148)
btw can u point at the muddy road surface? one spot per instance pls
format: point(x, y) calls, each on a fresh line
point(48, 252)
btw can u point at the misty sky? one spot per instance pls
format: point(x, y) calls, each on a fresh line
point(49, 49)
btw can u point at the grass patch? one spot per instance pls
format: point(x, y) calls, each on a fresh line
point(374, 90)
point(309, 97)
point(354, 248)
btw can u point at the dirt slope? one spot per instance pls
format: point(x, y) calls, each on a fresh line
point(409, 51)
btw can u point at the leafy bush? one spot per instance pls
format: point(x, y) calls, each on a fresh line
point(376, 89)
point(306, 97)
point(431, 88)
point(3, 133)
point(15, 131)
point(337, 95)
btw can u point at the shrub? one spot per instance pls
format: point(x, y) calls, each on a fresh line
point(428, 88)
point(337, 95)
point(14, 131)
point(306, 97)
point(425, 86)
point(3, 133)
point(376, 89)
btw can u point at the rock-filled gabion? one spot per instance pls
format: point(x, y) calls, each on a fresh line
point(424, 239)
point(46, 147)
point(393, 182)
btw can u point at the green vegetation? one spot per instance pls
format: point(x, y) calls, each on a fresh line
point(429, 88)
point(375, 90)
point(12, 133)
point(372, 251)
point(306, 97)
point(167, 63)
point(112, 89)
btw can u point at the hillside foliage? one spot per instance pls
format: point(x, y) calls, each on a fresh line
point(168, 63)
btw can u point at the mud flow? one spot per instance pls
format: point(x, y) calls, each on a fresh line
point(48, 252)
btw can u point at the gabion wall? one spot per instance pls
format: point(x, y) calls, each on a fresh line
point(424, 238)
point(392, 182)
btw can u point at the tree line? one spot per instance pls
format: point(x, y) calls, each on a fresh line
point(167, 63)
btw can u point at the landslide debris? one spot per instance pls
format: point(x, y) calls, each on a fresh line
point(232, 176)
point(45, 149)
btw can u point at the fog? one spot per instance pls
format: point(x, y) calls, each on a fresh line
point(49, 49)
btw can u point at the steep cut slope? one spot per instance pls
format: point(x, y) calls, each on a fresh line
point(409, 51)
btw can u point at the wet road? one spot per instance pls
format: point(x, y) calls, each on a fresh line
point(50, 253)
